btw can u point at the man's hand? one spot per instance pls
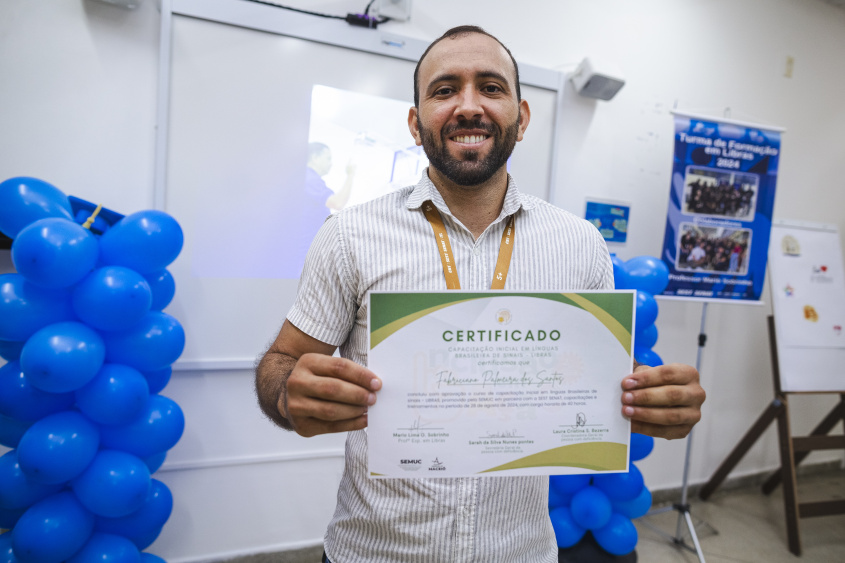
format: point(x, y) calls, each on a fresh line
point(663, 401)
point(328, 394)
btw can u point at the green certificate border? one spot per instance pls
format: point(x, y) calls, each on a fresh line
point(390, 312)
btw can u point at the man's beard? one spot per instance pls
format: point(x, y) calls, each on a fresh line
point(470, 171)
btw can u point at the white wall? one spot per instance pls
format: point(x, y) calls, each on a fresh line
point(77, 107)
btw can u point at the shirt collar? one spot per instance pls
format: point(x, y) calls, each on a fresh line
point(426, 190)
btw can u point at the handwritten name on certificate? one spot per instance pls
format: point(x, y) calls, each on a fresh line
point(495, 383)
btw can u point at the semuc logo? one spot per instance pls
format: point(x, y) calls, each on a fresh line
point(410, 464)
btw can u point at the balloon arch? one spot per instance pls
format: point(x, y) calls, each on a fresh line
point(88, 350)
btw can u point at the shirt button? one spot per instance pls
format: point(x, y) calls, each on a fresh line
point(476, 252)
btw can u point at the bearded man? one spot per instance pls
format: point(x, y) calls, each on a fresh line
point(468, 115)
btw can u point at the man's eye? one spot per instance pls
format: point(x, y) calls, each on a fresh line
point(443, 91)
point(492, 89)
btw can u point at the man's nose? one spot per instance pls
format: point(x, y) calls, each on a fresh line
point(469, 104)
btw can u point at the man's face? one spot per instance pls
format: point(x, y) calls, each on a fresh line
point(321, 162)
point(468, 119)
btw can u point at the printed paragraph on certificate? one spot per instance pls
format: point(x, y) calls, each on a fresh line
point(494, 383)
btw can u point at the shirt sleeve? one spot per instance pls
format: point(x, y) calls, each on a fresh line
point(602, 265)
point(326, 304)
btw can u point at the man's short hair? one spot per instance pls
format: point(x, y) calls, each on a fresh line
point(456, 32)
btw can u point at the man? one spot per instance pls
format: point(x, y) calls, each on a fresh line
point(468, 115)
point(698, 256)
point(308, 208)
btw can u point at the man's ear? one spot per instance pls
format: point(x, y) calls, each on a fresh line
point(413, 125)
point(524, 118)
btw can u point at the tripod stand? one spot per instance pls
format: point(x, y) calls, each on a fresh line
point(683, 507)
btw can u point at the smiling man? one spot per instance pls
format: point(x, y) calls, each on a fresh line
point(468, 115)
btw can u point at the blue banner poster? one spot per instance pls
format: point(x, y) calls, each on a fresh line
point(720, 209)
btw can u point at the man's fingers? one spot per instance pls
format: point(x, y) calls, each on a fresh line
point(663, 401)
point(328, 394)
point(308, 427)
point(668, 396)
point(329, 411)
point(659, 431)
point(332, 379)
point(678, 416)
point(340, 368)
point(663, 386)
point(671, 374)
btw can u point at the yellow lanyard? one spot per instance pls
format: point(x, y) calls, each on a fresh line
point(450, 268)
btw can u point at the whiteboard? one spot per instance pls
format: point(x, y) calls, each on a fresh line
point(808, 300)
point(241, 116)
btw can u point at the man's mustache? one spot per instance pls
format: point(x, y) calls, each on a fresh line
point(476, 124)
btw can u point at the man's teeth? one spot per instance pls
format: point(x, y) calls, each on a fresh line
point(470, 138)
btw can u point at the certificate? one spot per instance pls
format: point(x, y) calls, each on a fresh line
point(496, 383)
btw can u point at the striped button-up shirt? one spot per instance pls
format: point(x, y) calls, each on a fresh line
point(387, 244)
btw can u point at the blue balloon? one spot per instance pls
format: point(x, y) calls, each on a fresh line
point(112, 298)
point(10, 350)
point(52, 530)
point(646, 312)
point(641, 446)
point(647, 337)
point(155, 461)
point(647, 273)
point(12, 430)
point(146, 241)
point(647, 357)
point(25, 308)
point(568, 484)
point(116, 395)
point(24, 200)
point(54, 252)
point(620, 276)
point(107, 548)
point(567, 531)
point(58, 447)
point(147, 520)
point(16, 489)
point(20, 400)
point(114, 484)
point(152, 344)
point(157, 429)
point(158, 379)
point(150, 558)
point(590, 508)
point(62, 357)
point(7, 554)
point(635, 507)
point(620, 486)
point(163, 287)
point(618, 537)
